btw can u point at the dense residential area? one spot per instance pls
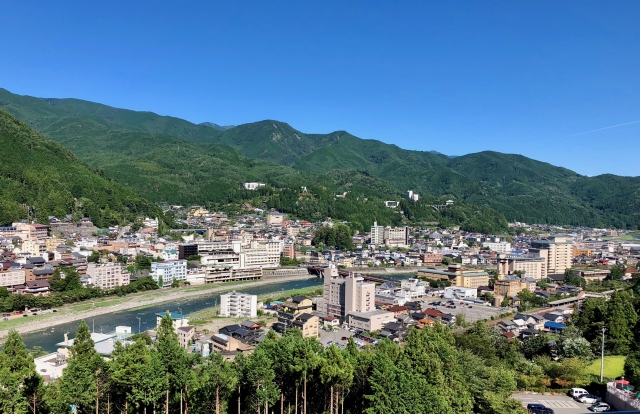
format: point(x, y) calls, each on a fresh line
point(537, 293)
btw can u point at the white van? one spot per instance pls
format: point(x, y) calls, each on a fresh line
point(577, 392)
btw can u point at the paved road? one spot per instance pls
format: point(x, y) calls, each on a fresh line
point(561, 404)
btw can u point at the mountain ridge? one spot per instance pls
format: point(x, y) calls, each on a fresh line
point(522, 188)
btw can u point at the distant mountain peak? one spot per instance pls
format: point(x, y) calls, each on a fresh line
point(216, 126)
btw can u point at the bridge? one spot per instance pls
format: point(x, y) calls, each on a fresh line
point(319, 271)
point(200, 231)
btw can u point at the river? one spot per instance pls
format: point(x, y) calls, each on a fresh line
point(48, 338)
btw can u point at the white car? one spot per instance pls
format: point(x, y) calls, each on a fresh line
point(600, 407)
point(589, 399)
point(578, 392)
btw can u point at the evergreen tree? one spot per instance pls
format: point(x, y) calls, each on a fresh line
point(215, 382)
point(81, 384)
point(20, 385)
point(621, 320)
point(175, 362)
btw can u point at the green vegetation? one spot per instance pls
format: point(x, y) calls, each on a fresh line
point(338, 237)
point(164, 378)
point(169, 159)
point(613, 366)
point(41, 174)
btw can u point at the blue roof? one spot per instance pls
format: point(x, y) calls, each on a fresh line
point(554, 325)
point(173, 315)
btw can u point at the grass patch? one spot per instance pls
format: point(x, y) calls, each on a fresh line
point(613, 366)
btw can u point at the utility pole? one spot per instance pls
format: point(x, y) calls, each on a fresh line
point(137, 317)
point(602, 356)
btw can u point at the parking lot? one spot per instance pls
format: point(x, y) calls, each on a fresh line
point(474, 313)
point(561, 404)
point(335, 337)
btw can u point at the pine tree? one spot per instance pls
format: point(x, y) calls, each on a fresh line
point(174, 360)
point(81, 383)
point(20, 385)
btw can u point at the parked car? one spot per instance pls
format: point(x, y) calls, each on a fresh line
point(577, 392)
point(539, 409)
point(589, 399)
point(600, 407)
point(345, 338)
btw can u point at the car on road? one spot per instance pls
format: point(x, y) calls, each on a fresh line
point(577, 392)
point(345, 338)
point(600, 407)
point(589, 399)
point(535, 408)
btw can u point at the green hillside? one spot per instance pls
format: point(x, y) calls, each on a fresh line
point(521, 188)
point(42, 174)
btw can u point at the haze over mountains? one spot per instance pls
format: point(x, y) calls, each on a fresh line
point(169, 159)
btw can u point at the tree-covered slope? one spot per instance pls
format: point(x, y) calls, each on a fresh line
point(521, 188)
point(43, 175)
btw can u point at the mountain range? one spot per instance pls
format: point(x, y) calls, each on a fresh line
point(169, 159)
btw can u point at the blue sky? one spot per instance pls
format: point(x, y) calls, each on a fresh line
point(455, 77)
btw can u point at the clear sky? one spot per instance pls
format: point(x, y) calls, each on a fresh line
point(455, 77)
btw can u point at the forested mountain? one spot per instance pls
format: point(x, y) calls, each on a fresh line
point(38, 173)
point(137, 149)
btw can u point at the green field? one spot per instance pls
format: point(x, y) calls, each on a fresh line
point(613, 366)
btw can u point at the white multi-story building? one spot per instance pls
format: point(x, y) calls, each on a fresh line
point(377, 233)
point(239, 305)
point(11, 276)
point(398, 236)
point(498, 247)
point(165, 272)
point(108, 275)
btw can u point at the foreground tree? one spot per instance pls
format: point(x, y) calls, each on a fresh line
point(20, 385)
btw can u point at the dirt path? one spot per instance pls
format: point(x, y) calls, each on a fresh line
point(134, 301)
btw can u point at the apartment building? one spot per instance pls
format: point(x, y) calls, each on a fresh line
point(346, 294)
point(377, 233)
point(534, 267)
point(557, 250)
point(108, 275)
point(275, 218)
point(239, 305)
point(11, 276)
point(164, 273)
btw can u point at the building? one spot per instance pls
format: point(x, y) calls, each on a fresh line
point(431, 259)
point(456, 276)
point(308, 324)
point(237, 305)
point(377, 233)
point(398, 236)
point(411, 196)
point(108, 275)
point(187, 250)
point(557, 250)
point(275, 218)
point(498, 247)
point(252, 186)
point(535, 267)
point(11, 276)
point(225, 343)
point(453, 292)
point(591, 275)
point(508, 286)
point(346, 294)
point(50, 366)
point(179, 320)
point(370, 321)
point(164, 273)
point(185, 335)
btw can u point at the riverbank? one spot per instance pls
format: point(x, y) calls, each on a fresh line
point(102, 306)
point(383, 270)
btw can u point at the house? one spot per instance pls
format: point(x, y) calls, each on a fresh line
point(448, 318)
point(299, 304)
point(308, 325)
point(529, 333)
point(330, 322)
point(527, 319)
point(185, 334)
point(177, 319)
point(229, 329)
point(397, 310)
point(369, 321)
point(554, 317)
point(509, 335)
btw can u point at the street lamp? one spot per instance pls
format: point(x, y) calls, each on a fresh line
point(602, 356)
point(137, 317)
